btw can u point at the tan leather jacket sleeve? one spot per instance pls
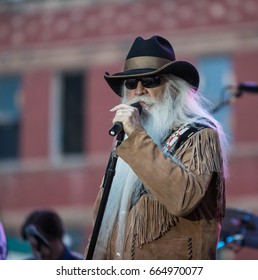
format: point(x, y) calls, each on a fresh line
point(179, 187)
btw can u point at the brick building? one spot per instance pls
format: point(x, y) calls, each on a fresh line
point(54, 102)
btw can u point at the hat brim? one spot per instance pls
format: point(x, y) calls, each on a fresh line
point(181, 69)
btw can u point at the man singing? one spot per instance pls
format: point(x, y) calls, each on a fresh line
point(167, 198)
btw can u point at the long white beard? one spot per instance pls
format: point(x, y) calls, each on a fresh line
point(126, 185)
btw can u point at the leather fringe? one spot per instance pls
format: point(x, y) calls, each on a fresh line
point(206, 152)
point(151, 221)
point(206, 158)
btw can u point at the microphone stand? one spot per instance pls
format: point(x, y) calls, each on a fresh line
point(108, 179)
point(229, 101)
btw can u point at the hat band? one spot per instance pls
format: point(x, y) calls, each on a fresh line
point(145, 62)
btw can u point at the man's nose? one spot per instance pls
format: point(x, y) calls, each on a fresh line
point(140, 89)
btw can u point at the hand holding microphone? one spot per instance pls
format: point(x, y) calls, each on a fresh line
point(127, 115)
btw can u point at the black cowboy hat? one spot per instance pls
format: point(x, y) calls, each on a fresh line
point(151, 57)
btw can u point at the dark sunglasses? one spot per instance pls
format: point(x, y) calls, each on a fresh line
point(148, 82)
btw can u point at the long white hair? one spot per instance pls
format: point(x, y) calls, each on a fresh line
point(178, 104)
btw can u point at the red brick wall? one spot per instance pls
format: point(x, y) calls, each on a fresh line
point(35, 114)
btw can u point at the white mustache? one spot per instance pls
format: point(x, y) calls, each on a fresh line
point(145, 99)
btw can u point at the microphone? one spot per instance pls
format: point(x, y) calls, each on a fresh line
point(31, 230)
point(118, 126)
point(251, 87)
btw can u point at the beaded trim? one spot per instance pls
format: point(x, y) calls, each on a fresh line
point(175, 136)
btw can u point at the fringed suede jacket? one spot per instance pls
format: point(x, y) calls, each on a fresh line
point(179, 217)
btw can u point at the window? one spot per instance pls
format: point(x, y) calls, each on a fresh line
point(67, 115)
point(72, 113)
point(9, 116)
point(216, 73)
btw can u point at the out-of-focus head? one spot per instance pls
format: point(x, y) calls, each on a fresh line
point(43, 229)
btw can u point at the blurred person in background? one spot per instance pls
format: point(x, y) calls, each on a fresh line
point(3, 243)
point(44, 230)
point(167, 198)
